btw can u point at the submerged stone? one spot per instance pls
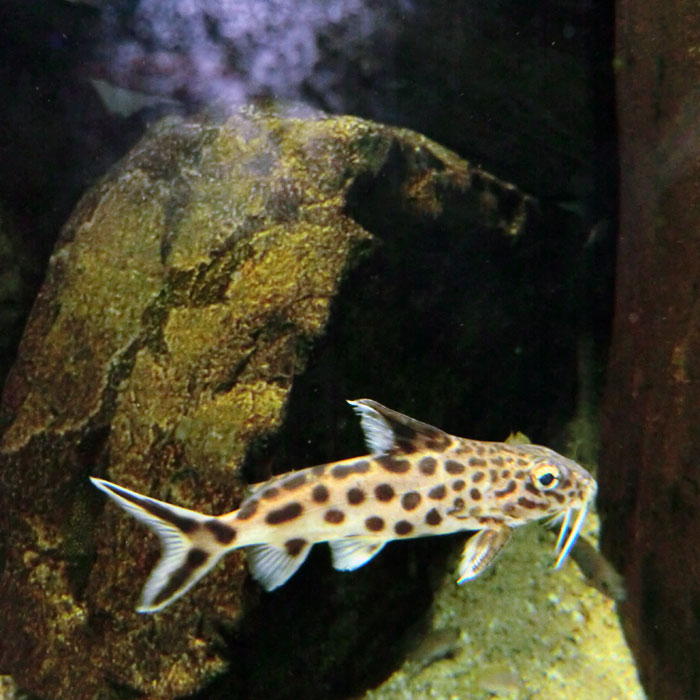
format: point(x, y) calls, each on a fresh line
point(183, 297)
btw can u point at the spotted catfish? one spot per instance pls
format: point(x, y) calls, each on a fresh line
point(417, 481)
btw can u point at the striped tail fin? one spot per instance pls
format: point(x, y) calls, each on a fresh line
point(192, 544)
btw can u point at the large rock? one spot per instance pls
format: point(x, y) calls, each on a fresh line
point(649, 478)
point(514, 86)
point(182, 299)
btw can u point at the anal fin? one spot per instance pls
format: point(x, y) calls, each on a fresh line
point(351, 553)
point(272, 566)
point(480, 551)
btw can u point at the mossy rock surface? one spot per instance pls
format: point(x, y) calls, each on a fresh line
point(222, 263)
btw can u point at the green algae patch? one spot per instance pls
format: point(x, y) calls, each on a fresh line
point(186, 293)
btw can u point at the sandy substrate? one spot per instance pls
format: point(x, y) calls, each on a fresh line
point(521, 631)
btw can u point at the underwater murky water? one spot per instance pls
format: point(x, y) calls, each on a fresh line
point(205, 258)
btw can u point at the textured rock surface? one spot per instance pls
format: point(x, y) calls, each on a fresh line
point(182, 298)
point(523, 631)
point(650, 483)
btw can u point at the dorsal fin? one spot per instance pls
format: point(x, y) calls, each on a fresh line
point(390, 431)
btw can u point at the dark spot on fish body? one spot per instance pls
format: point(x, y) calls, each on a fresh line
point(477, 477)
point(475, 495)
point(509, 508)
point(294, 546)
point(334, 516)
point(477, 462)
point(284, 514)
point(319, 493)
point(403, 527)
point(410, 500)
point(505, 474)
point(526, 503)
point(510, 488)
point(437, 492)
point(294, 482)
point(458, 505)
point(393, 465)
point(480, 450)
point(384, 492)
point(318, 469)
point(522, 462)
point(498, 461)
point(248, 509)
point(566, 483)
point(458, 484)
point(520, 474)
point(406, 447)
point(559, 496)
point(465, 449)
point(427, 466)
point(270, 492)
point(224, 534)
point(438, 443)
point(532, 489)
point(493, 475)
point(453, 467)
point(340, 471)
point(432, 517)
point(355, 496)
point(374, 523)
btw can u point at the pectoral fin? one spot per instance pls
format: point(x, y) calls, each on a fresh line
point(481, 550)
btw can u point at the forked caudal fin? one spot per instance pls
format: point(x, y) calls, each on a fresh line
point(192, 544)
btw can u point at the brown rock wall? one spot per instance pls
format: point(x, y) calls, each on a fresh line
point(650, 473)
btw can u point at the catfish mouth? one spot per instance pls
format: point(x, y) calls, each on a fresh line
point(568, 533)
point(568, 536)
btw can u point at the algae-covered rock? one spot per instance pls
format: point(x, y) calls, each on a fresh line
point(183, 297)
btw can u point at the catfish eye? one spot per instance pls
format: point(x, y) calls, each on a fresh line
point(545, 477)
